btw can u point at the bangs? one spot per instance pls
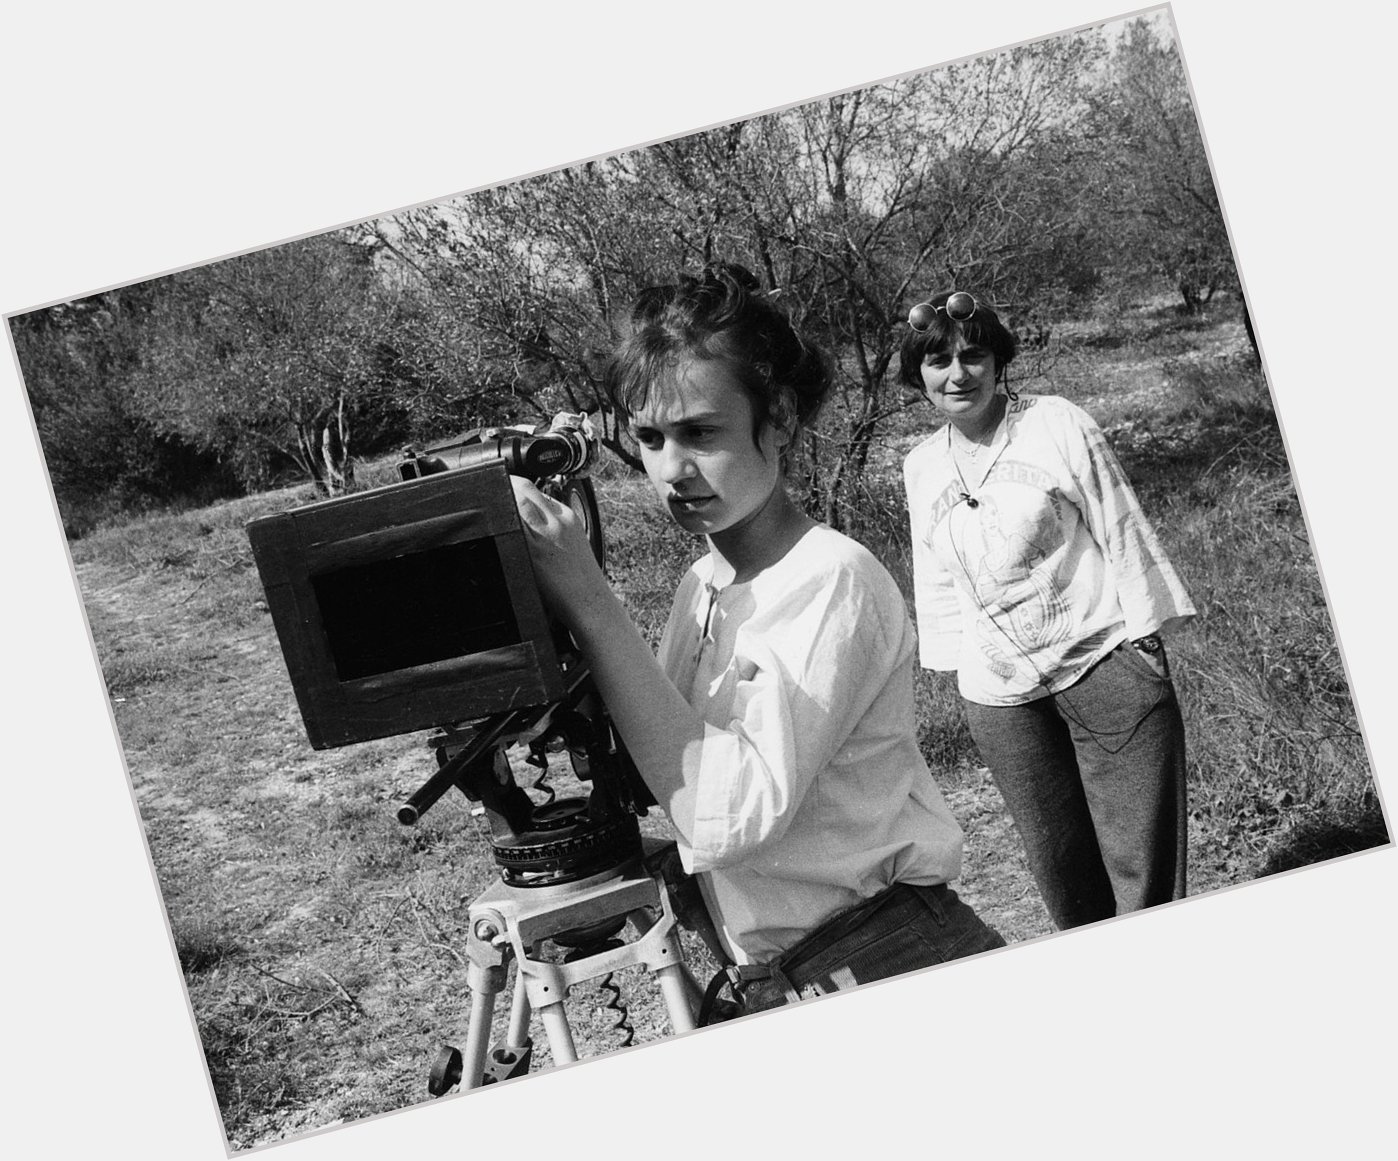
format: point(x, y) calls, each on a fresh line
point(632, 373)
point(649, 362)
point(983, 329)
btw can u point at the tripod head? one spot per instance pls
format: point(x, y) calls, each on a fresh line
point(562, 840)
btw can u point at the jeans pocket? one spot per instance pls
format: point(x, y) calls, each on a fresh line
point(923, 927)
point(877, 955)
point(916, 927)
point(847, 950)
point(1137, 661)
point(1115, 696)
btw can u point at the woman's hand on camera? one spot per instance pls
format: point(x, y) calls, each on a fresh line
point(660, 727)
point(564, 567)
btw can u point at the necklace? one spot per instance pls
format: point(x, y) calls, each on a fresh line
point(971, 501)
point(971, 449)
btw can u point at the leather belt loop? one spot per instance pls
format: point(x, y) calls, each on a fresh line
point(931, 898)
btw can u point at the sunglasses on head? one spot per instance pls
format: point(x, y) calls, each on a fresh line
point(958, 307)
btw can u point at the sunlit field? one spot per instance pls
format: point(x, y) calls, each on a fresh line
point(323, 943)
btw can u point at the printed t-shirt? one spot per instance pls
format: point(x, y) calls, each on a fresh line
point(1050, 569)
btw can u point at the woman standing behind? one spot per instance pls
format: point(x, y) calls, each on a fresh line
point(1039, 581)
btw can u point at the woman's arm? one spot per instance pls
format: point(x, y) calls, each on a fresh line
point(818, 655)
point(1152, 597)
point(659, 726)
point(934, 593)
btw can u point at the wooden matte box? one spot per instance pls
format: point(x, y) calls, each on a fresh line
point(408, 607)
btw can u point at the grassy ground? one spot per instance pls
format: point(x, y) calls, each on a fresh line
point(323, 944)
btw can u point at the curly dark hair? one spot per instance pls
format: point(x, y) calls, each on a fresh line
point(982, 329)
point(721, 314)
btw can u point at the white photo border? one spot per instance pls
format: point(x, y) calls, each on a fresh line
point(149, 136)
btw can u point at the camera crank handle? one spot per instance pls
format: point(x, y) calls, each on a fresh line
point(427, 794)
point(451, 770)
point(472, 775)
point(492, 732)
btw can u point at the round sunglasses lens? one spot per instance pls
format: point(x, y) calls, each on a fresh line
point(921, 316)
point(961, 306)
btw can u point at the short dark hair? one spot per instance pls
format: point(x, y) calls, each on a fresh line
point(982, 329)
point(721, 314)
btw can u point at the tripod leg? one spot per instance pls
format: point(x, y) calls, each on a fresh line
point(674, 986)
point(477, 1038)
point(693, 990)
point(560, 1036)
point(487, 967)
point(518, 1036)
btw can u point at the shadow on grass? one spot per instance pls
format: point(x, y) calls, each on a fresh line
point(1221, 419)
point(1327, 836)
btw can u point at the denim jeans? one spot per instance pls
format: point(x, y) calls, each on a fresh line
point(900, 930)
point(1094, 778)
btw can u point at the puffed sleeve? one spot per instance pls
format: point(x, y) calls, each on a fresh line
point(800, 679)
point(1150, 592)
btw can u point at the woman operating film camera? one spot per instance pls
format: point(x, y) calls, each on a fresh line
point(1040, 582)
point(776, 728)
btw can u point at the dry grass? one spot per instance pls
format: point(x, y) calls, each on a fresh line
point(322, 944)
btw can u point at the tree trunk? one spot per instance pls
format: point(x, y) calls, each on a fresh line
point(324, 442)
point(334, 447)
point(309, 457)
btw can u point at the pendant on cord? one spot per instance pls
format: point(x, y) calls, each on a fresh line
point(971, 502)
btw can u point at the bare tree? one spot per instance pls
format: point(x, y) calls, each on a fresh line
point(267, 354)
point(1161, 209)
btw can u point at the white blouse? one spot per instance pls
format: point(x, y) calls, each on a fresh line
point(812, 793)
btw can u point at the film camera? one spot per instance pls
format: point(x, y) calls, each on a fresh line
point(414, 606)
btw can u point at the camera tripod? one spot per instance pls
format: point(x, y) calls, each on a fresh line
point(574, 873)
point(511, 924)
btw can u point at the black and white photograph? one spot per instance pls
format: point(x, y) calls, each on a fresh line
point(544, 534)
